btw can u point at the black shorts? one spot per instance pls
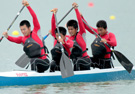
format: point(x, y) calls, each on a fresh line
point(39, 65)
point(82, 63)
point(101, 63)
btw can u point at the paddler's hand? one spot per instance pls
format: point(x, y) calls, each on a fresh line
point(54, 10)
point(75, 5)
point(61, 40)
point(5, 34)
point(50, 31)
point(25, 3)
point(103, 40)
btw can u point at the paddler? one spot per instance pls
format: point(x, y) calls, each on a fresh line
point(101, 52)
point(32, 42)
point(79, 54)
point(66, 42)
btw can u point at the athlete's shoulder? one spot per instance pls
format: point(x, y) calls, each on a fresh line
point(110, 33)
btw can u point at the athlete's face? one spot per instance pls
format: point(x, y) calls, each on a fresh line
point(25, 30)
point(102, 31)
point(72, 31)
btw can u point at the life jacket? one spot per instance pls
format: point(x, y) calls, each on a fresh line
point(33, 49)
point(56, 52)
point(76, 50)
point(99, 49)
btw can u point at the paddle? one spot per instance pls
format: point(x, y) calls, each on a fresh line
point(60, 21)
point(65, 15)
point(23, 61)
point(65, 64)
point(121, 58)
point(46, 36)
point(13, 22)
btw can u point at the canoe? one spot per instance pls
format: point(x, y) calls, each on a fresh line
point(23, 78)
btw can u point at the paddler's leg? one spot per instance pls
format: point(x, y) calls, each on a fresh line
point(33, 66)
point(84, 63)
point(42, 65)
point(95, 62)
point(75, 65)
point(105, 63)
point(52, 66)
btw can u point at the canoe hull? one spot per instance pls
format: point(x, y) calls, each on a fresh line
point(32, 78)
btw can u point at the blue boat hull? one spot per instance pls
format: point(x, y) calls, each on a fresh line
point(83, 77)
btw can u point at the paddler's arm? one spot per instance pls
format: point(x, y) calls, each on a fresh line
point(87, 28)
point(112, 41)
point(35, 20)
point(17, 40)
point(68, 43)
point(80, 22)
point(13, 39)
point(53, 23)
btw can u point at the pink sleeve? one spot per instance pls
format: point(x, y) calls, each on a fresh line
point(88, 29)
point(68, 43)
point(112, 41)
point(15, 39)
point(80, 22)
point(35, 20)
point(53, 26)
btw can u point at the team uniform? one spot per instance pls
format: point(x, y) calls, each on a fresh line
point(34, 37)
point(56, 51)
point(83, 61)
point(105, 61)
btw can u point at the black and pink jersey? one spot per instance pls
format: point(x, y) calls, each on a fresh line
point(36, 34)
point(68, 43)
point(81, 35)
point(110, 37)
point(80, 38)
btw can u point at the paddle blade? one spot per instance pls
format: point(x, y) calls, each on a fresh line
point(124, 61)
point(22, 61)
point(66, 66)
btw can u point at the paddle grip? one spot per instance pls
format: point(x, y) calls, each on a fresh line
point(46, 36)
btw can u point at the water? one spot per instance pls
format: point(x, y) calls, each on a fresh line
point(123, 27)
point(117, 87)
